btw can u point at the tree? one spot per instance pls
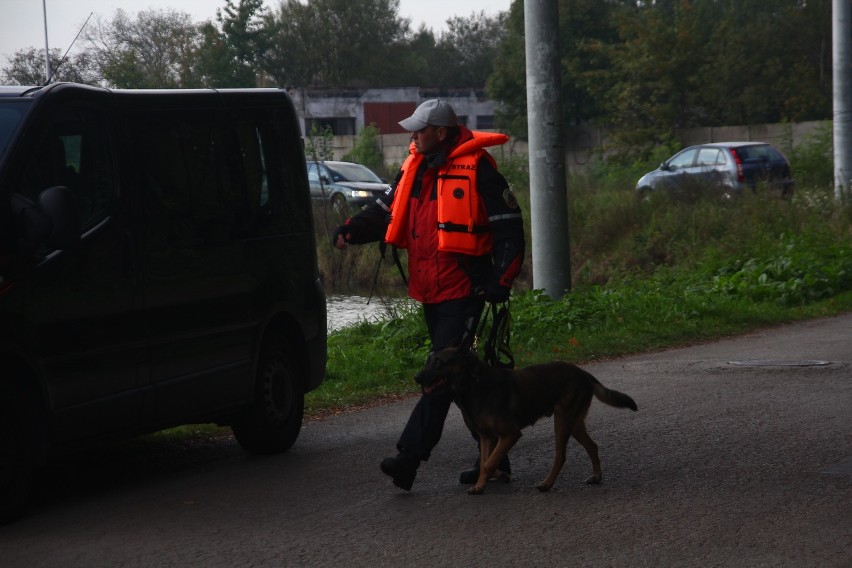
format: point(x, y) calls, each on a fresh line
point(157, 49)
point(653, 88)
point(419, 59)
point(587, 30)
point(366, 150)
point(230, 54)
point(293, 56)
point(714, 62)
point(785, 80)
point(469, 48)
point(319, 145)
point(339, 43)
point(27, 68)
point(507, 84)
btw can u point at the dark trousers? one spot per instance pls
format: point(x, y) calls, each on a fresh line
point(449, 323)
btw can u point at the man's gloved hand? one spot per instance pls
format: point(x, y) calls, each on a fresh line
point(341, 236)
point(496, 293)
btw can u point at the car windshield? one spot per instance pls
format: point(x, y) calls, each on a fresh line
point(11, 112)
point(355, 172)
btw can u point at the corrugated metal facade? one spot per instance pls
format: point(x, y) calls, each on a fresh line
point(386, 116)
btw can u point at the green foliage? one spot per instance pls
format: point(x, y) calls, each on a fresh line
point(26, 67)
point(795, 275)
point(230, 52)
point(320, 143)
point(469, 48)
point(366, 150)
point(154, 49)
point(813, 159)
point(334, 42)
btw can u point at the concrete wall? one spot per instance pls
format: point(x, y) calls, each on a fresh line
point(349, 103)
point(584, 142)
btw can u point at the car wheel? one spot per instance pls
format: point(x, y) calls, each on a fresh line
point(16, 454)
point(272, 423)
point(338, 203)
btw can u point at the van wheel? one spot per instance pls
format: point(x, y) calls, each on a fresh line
point(16, 455)
point(272, 423)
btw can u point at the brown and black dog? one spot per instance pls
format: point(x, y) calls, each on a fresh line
point(497, 403)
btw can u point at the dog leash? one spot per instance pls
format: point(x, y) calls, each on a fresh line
point(497, 351)
point(395, 255)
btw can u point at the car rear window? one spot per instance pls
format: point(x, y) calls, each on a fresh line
point(761, 152)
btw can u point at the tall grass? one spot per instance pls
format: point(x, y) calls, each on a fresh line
point(647, 274)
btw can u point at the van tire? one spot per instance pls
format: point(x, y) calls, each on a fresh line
point(272, 422)
point(16, 454)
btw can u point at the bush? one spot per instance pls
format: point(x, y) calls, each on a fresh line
point(366, 151)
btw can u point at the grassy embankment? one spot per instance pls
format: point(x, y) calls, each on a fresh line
point(671, 270)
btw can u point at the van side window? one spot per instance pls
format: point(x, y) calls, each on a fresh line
point(186, 176)
point(283, 207)
point(73, 150)
point(253, 165)
point(207, 178)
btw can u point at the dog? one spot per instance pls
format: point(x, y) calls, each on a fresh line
point(498, 403)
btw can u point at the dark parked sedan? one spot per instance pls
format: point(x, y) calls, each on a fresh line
point(730, 166)
point(344, 184)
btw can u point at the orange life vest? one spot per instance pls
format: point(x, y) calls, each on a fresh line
point(462, 221)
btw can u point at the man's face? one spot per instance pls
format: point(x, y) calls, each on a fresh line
point(429, 139)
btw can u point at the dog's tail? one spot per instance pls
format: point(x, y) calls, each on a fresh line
point(613, 397)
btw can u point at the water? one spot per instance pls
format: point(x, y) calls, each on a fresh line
point(346, 310)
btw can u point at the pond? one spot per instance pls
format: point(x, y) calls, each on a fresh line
point(346, 310)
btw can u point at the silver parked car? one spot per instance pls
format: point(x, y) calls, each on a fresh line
point(729, 166)
point(344, 184)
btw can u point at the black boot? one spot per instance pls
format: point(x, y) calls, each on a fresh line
point(470, 476)
point(402, 469)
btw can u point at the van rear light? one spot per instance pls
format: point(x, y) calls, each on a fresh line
point(739, 163)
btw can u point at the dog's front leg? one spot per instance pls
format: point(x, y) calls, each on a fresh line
point(490, 460)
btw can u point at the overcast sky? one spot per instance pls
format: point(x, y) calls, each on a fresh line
point(22, 21)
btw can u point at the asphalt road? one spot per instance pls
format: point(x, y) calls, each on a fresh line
point(724, 465)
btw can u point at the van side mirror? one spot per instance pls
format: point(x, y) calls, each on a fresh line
point(53, 221)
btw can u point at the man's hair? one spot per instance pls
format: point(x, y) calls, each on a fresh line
point(453, 133)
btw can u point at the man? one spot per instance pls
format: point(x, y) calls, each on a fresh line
point(456, 216)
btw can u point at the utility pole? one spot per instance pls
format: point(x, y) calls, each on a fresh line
point(46, 50)
point(841, 30)
point(551, 255)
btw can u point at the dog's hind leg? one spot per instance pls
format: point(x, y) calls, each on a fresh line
point(562, 431)
point(582, 436)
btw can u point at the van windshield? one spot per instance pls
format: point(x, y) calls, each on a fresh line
point(11, 112)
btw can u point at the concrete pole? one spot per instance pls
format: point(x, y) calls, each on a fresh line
point(551, 256)
point(841, 29)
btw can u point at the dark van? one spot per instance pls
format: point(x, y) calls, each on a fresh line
point(157, 268)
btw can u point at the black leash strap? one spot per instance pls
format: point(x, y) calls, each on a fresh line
point(395, 255)
point(497, 348)
point(382, 246)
